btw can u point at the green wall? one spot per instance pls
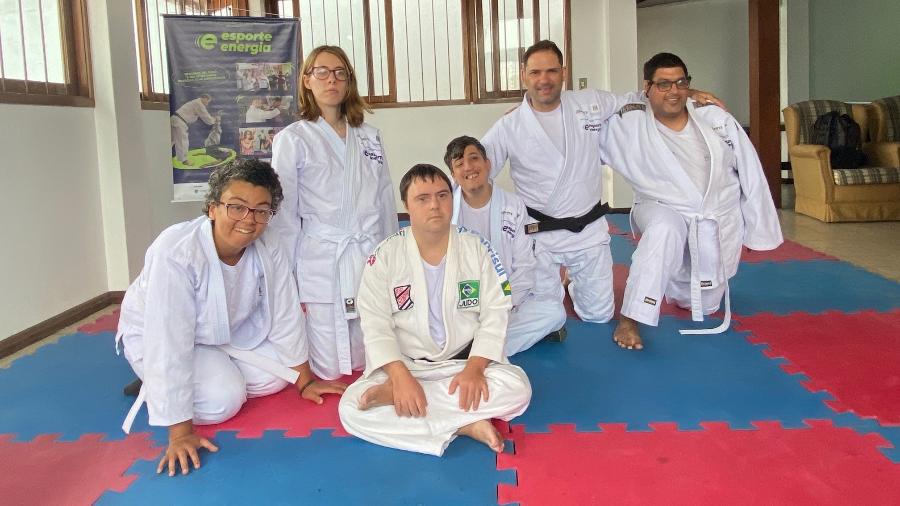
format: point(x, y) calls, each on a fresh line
point(854, 49)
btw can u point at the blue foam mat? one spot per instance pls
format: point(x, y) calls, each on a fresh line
point(322, 470)
point(683, 379)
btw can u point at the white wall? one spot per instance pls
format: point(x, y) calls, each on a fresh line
point(53, 252)
point(711, 36)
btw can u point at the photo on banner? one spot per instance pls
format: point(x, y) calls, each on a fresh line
point(233, 86)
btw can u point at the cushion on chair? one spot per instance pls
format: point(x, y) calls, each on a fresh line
point(891, 106)
point(810, 110)
point(866, 175)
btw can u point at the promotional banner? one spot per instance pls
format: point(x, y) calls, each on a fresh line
point(232, 87)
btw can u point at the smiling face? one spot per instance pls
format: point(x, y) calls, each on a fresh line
point(232, 236)
point(668, 104)
point(430, 205)
point(543, 75)
point(471, 170)
point(328, 92)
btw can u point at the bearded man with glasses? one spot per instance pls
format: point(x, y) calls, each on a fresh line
point(213, 318)
point(700, 195)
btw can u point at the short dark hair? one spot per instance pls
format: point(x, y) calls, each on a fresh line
point(543, 45)
point(422, 171)
point(663, 61)
point(458, 146)
point(255, 172)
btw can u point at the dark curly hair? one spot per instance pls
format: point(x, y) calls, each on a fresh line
point(255, 172)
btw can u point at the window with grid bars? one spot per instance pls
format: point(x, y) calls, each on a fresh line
point(404, 52)
point(44, 52)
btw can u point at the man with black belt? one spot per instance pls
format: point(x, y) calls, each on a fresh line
point(552, 143)
point(184, 117)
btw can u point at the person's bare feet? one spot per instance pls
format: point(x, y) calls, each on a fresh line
point(627, 335)
point(379, 395)
point(484, 432)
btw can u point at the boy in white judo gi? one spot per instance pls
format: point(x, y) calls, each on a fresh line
point(500, 216)
point(433, 301)
point(551, 142)
point(700, 195)
point(213, 317)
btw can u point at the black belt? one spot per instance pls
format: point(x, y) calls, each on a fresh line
point(572, 224)
point(463, 354)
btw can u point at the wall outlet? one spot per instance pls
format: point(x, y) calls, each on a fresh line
point(582, 83)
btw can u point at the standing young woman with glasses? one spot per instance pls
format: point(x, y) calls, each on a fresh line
point(338, 205)
point(212, 318)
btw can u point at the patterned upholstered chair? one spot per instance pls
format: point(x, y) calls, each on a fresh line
point(884, 130)
point(863, 194)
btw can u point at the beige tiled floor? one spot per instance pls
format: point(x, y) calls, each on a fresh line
point(873, 246)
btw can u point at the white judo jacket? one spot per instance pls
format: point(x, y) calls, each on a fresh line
point(736, 208)
point(507, 236)
point(555, 184)
point(178, 301)
point(338, 205)
point(393, 302)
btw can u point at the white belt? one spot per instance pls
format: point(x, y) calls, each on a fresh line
point(696, 289)
point(255, 359)
point(346, 265)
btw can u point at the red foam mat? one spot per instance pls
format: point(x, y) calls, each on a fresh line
point(106, 323)
point(818, 465)
point(47, 471)
point(863, 376)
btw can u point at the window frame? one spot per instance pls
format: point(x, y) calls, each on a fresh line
point(78, 90)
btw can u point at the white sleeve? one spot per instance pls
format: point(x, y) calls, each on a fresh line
point(288, 332)
point(495, 146)
point(490, 337)
point(389, 223)
point(376, 315)
point(170, 317)
point(288, 159)
point(611, 103)
point(762, 231)
point(521, 272)
point(204, 115)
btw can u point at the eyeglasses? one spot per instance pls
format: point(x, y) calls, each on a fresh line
point(238, 212)
point(664, 85)
point(322, 73)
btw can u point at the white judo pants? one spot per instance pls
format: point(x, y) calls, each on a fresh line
point(510, 394)
point(331, 356)
point(180, 137)
point(661, 254)
point(590, 278)
point(531, 321)
point(221, 384)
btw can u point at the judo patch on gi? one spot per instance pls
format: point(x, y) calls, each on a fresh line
point(468, 293)
point(507, 288)
point(651, 301)
point(403, 298)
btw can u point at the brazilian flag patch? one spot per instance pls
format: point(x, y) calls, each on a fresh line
point(468, 293)
point(507, 289)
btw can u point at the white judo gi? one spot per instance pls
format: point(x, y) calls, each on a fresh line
point(533, 315)
point(184, 117)
point(563, 185)
point(691, 240)
point(174, 326)
point(393, 302)
point(338, 205)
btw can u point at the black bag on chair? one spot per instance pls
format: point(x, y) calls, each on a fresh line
point(842, 136)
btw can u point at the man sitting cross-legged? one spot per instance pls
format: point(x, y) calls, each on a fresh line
point(433, 302)
point(500, 217)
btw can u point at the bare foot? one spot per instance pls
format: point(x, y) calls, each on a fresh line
point(379, 395)
point(484, 432)
point(626, 334)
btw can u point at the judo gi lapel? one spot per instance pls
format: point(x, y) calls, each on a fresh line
point(669, 161)
point(457, 204)
point(498, 201)
point(263, 257)
point(451, 268)
point(713, 144)
point(418, 290)
point(216, 285)
point(533, 126)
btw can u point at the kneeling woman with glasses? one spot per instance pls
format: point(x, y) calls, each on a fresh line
point(338, 205)
point(213, 317)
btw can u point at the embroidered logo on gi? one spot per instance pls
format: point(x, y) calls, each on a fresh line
point(705, 284)
point(468, 293)
point(648, 300)
point(631, 107)
point(507, 288)
point(350, 305)
point(371, 260)
point(402, 296)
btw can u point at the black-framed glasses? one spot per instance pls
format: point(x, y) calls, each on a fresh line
point(238, 212)
point(666, 85)
point(322, 73)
